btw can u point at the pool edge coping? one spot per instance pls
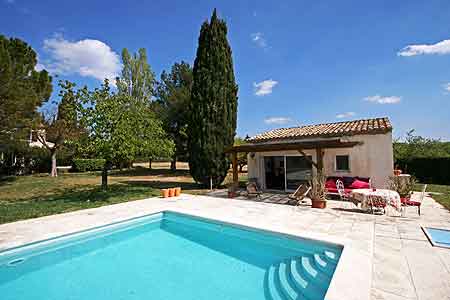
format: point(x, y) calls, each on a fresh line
point(344, 283)
point(428, 235)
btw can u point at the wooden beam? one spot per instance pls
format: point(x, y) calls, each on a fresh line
point(323, 144)
point(308, 159)
point(235, 169)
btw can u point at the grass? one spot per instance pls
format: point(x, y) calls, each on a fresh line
point(442, 193)
point(26, 197)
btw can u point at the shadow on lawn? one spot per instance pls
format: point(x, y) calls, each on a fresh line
point(7, 179)
point(154, 184)
point(141, 171)
point(71, 200)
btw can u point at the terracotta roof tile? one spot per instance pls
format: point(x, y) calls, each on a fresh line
point(348, 128)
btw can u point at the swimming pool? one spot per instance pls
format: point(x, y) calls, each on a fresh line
point(438, 237)
point(169, 256)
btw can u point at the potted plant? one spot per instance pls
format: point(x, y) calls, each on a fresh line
point(232, 190)
point(403, 186)
point(318, 191)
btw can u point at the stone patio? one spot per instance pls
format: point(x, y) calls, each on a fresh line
point(390, 257)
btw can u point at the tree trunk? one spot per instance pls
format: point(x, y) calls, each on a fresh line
point(105, 177)
point(54, 172)
point(150, 163)
point(173, 163)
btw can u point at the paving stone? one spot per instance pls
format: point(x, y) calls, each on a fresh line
point(378, 294)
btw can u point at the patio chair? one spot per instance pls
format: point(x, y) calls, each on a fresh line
point(300, 193)
point(253, 190)
point(379, 202)
point(408, 202)
point(341, 191)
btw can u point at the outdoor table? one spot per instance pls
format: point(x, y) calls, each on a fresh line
point(392, 198)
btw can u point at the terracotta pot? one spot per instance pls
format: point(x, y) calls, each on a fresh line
point(318, 203)
point(177, 191)
point(164, 193)
point(171, 192)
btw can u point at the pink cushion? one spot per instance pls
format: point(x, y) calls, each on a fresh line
point(358, 184)
point(330, 184)
point(332, 190)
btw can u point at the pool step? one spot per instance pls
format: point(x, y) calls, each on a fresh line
point(303, 277)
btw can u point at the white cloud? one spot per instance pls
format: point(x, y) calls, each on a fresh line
point(88, 58)
point(264, 87)
point(345, 115)
point(277, 120)
point(442, 47)
point(259, 40)
point(383, 99)
point(447, 87)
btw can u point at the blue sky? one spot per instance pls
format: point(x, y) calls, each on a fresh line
point(296, 62)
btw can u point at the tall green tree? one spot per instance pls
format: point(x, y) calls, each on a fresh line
point(213, 108)
point(137, 79)
point(121, 127)
point(173, 94)
point(59, 129)
point(22, 89)
point(137, 82)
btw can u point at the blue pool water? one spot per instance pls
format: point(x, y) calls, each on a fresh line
point(169, 256)
point(439, 237)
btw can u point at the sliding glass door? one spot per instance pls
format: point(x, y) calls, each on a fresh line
point(298, 171)
point(274, 171)
point(286, 172)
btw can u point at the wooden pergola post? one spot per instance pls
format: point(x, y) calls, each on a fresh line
point(318, 164)
point(319, 155)
point(235, 169)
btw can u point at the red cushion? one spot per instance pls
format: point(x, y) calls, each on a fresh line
point(409, 202)
point(332, 190)
point(330, 184)
point(358, 184)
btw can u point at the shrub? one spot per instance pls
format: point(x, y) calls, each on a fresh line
point(87, 164)
point(427, 170)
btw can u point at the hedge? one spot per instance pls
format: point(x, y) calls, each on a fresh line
point(427, 170)
point(87, 164)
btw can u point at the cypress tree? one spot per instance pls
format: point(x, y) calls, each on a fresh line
point(213, 107)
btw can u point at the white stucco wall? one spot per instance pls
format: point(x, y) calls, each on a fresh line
point(373, 158)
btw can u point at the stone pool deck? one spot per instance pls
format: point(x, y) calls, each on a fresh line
point(387, 257)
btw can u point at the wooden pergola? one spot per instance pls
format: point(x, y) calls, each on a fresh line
point(299, 146)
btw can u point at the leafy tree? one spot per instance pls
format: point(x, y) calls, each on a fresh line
point(213, 107)
point(22, 89)
point(57, 131)
point(173, 97)
point(137, 79)
point(121, 127)
point(417, 146)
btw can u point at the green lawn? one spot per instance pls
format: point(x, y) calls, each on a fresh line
point(444, 193)
point(26, 197)
point(35, 196)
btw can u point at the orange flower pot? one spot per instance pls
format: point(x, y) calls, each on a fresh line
point(164, 193)
point(319, 204)
point(171, 192)
point(177, 191)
